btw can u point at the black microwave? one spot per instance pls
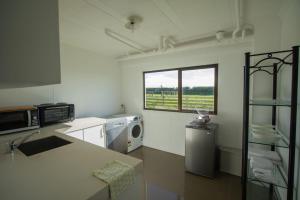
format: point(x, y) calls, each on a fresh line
point(19, 118)
point(56, 113)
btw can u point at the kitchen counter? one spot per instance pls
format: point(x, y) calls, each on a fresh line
point(62, 173)
point(81, 123)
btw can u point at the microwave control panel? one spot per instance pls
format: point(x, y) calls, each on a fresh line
point(34, 118)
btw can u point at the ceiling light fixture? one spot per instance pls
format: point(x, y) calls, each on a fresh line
point(133, 23)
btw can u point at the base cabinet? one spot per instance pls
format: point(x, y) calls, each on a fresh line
point(76, 134)
point(94, 135)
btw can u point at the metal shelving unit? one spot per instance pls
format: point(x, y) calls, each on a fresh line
point(254, 188)
point(283, 143)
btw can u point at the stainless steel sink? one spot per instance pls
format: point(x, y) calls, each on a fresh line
point(41, 145)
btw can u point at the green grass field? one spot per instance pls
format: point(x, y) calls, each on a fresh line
point(189, 102)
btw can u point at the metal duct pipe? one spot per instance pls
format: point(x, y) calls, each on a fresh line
point(238, 21)
point(171, 45)
point(165, 43)
point(243, 33)
point(124, 40)
point(155, 52)
point(161, 45)
point(245, 28)
point(171, 42)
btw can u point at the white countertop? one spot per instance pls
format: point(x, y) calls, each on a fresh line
point(81, 123)
point(63, 173)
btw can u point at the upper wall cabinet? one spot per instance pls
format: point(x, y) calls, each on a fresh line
point(29, 43)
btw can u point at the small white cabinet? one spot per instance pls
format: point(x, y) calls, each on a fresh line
point(76, 134)
point(94, 135)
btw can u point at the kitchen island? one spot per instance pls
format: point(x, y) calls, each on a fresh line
point(61, 173)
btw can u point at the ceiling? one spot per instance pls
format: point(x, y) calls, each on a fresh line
point(82, 22)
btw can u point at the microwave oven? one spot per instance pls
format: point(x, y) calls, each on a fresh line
point(19, 118)
point(55, 113)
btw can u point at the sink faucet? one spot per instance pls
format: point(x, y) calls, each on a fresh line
point(13, 145)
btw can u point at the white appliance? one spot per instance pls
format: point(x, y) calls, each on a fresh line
point(116, 132)
point(135, 130)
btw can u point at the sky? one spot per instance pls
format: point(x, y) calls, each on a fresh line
point(190, 78)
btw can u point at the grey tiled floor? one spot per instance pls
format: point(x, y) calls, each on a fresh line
point(166, 179)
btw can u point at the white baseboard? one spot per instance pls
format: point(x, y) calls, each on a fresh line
point(231, 160)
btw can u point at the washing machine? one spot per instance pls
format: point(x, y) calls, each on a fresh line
point(135, 130)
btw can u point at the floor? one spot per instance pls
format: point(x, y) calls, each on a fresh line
point(166, 179)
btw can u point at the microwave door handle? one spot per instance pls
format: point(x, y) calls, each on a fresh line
point(29, 117)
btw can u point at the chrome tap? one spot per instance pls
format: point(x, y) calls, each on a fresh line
point(13, 145)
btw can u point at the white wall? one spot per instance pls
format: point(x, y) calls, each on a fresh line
point(166, 130)
point(90, 81)
point(290, 29)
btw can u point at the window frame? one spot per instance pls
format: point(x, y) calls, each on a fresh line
point(180, 70)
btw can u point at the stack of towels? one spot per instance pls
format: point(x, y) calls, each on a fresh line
point(262, 163)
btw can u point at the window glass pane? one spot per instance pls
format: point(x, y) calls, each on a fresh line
point(198, 89)
point(161, 90)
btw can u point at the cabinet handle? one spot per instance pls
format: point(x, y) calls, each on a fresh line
point(101, 133)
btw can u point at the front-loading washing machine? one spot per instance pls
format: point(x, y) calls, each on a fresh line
point(135, 135)
point(135, 130)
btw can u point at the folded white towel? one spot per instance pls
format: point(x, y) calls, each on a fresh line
point(262, 126)
point(263, 172)
point(272, 155)
point(265, 178)
point(263, 163)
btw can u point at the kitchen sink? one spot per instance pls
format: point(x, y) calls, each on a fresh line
point(41, 145)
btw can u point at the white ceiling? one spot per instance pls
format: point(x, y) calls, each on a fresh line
point(82, 22)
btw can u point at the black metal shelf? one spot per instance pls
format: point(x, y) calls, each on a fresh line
point(279, 180)
point(270, 63)
point(267, 102)
point(282, 143)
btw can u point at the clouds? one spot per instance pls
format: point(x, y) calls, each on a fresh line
point(197, 78)
point(164, 79)
point(190, 78)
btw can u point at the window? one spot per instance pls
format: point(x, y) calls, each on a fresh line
point(161, 90)
point(182, 89)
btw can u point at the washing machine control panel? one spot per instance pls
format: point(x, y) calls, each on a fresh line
point(134, 119)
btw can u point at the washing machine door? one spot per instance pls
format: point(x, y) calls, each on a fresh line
point(136, 131)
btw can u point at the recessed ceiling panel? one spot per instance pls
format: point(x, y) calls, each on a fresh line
point(82, 22)
point(204, 16)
